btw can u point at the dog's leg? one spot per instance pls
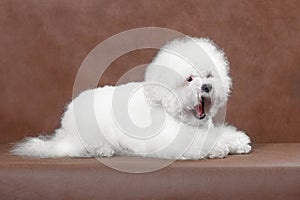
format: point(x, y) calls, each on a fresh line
point(231, 141)
point(237, 141)
point(220, 150)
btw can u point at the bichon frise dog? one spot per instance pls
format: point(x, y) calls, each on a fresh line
point(169, 115)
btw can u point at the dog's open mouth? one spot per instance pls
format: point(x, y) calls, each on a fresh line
point(202, 108)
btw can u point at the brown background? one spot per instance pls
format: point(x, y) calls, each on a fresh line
point(43, 43)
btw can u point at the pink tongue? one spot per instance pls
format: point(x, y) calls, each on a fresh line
point(199, 109)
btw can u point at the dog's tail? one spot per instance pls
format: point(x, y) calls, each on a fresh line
point(54, 146)
point(34, 147)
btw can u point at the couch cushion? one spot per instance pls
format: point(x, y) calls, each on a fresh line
point(271, 171)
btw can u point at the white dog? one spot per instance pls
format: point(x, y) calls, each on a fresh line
point(169, 115)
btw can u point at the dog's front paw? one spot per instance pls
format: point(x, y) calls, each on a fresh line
point(243, 149)
point(219, 151)
point(186, 156)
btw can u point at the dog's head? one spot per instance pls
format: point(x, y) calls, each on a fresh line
point(189, 78)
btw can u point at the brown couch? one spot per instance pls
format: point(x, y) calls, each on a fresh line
point(43, 43)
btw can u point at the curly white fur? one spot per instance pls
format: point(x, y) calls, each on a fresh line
point(173, 96)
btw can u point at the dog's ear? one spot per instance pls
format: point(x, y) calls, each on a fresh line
point(154, 93)
point(153, 90)
point(160, 82)
point(159, 95)
point(220, 61)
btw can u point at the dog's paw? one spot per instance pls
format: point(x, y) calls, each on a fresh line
point(189, 156)
point(243, 149)
point(219, 151)
point(182, 158)
point(102, 152)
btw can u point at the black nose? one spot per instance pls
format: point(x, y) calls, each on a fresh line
point(206, 88)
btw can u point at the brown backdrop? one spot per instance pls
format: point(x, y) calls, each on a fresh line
point(42, 44)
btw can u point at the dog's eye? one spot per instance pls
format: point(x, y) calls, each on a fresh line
point(209, 75)
point(189, 79)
